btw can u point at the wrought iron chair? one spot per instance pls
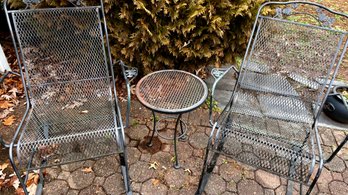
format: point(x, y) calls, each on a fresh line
point(72, 109)
point(129, 73)
point(270, 121)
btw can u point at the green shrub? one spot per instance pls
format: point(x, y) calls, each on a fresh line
point(185, 34)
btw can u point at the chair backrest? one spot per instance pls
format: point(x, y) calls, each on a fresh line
point(64, 54)
point(292, 55)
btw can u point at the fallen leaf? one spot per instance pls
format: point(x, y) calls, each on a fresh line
point(153, 165)
point(32, 189)
point(19, 191)
point(4, 166)
point(188, 171)
point(132, 89)
point(6, 104)
point(6, 97)
point(14, 92)
point(4, 113)
point(36, 179)
point(122, 99)
point(87, 170)
point(2, 177)
point(15, 182)
point(155, 182)
point(9, 121)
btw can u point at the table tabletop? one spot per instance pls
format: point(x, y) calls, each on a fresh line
point(171, 91)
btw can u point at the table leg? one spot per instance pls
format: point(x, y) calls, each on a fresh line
point(176, 166)
point(182, 137)
point(153, 130)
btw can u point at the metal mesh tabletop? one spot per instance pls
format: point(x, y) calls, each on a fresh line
point(171, 91)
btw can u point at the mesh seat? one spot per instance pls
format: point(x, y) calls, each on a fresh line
point(270, 120)
point(73, 113)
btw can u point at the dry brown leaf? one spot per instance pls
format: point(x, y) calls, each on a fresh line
point(14, 182)
point(33, 179)
point(32, 189)
point(36, 179)
point(155, 182)
point(132, 89)
point(4, 113)
point(19, 191)
point(14, 92)
point(87, 170)
point(5, 104)
point(9, 121)
point(153, 165)
point(4, 166)
point(6, 97)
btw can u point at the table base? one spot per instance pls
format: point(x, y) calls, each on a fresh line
point(181, 137)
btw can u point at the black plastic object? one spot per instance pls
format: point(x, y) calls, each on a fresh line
point(335, 108)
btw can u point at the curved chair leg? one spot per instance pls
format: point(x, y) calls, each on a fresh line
point(337, 150)
point(208, 168)
point(18, 174)
point(125, 173)
point(314, 180)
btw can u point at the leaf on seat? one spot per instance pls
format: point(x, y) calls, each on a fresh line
point(9, 121)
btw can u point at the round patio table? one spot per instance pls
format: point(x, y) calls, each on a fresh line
point(171, 92)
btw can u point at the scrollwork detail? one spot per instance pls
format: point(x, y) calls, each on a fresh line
point(321, 17)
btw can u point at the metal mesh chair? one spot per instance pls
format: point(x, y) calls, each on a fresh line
point(72, 110)
point(270, 121)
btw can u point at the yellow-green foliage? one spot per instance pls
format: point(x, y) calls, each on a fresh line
point(185, 34)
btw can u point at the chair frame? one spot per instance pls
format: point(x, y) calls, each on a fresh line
point(218, 73)
point(119, 130)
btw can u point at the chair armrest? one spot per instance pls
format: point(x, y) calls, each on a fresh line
point(218, 74)
point(129, 72)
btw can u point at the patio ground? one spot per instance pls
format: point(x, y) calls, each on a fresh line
point(229, 176)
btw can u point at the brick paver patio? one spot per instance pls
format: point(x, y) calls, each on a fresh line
point(229, 176)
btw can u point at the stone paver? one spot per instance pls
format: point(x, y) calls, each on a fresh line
point(267, 180)
point(338, 187)
point(215, 185)
point(229, 176)
point(140, 172)
point(151, 187)
point(93, 189)
point(56, 187)
point(114, 184)
point(105, 166)
point(198, 140)
point(336, 165)
point(247, 187)
point(176, 179)
point(79, 179)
